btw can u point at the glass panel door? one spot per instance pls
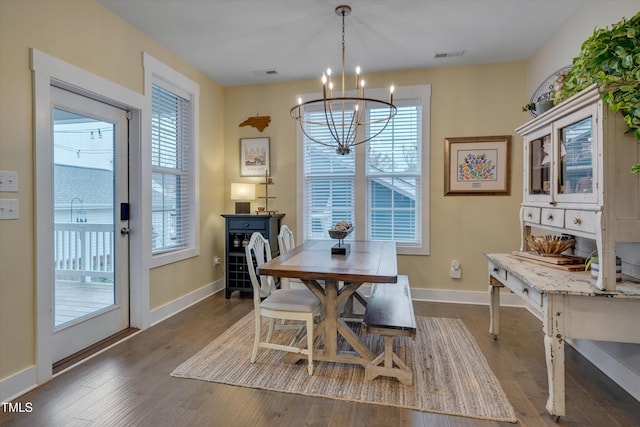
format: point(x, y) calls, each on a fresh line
point(83, 215)
point(91, 245)
point(540, 162)
point(576, 158)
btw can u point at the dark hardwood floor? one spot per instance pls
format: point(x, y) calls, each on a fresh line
point(130, 385)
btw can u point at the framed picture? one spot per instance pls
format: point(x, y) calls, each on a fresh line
point(479, 165)
point(254, 156)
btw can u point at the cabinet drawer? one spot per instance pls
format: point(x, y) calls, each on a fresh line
point(241, 224)
point(530, 214)
point(580, 220)
point(553, 217)
point(528, 293)
point(498, 272)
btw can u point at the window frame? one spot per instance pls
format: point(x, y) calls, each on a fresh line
point(157, 73)
point(362, 196)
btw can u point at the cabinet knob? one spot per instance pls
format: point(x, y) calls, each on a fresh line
point(525, 291)
point(246, 225)
point(577, 221)
point(529, 215)
point(553, 203)
point(550, 217)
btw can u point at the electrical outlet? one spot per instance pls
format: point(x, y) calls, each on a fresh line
point(455, 272)
point(9, 181)
point(9, 209)
point(216, 260)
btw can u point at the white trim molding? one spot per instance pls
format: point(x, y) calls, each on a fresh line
point(47, 71)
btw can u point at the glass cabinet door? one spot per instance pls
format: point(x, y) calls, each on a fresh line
point(540, 161)
point(576, 157)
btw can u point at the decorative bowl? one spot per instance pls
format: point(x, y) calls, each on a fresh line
point(339, 233)
point(550, 245)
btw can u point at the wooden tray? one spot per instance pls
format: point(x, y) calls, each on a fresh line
point(561, 262)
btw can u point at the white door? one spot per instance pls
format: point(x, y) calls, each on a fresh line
point(91, 243)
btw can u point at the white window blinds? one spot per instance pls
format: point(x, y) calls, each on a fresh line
point(393, 176)
point(381, 187)
point(329, 183)
point(172, 184)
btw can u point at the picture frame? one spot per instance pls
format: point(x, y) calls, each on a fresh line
point(254, 156)
point(478, 165)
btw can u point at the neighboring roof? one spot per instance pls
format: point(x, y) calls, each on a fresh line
point(93, 186)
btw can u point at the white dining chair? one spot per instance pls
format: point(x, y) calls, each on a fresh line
point(286, 242)
point(286, 304)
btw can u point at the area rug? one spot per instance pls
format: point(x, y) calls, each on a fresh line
point(450, 374)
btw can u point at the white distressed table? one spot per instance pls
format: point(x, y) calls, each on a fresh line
point(570, 307)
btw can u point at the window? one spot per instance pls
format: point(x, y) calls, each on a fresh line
point(174, 219)
point(381, 187)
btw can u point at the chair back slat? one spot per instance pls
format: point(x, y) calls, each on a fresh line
point(286, 239)
point(258, 251)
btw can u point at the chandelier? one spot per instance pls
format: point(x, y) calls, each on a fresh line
point(344, 116)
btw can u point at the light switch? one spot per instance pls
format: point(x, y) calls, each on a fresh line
point(9, 209)
point(9, 181)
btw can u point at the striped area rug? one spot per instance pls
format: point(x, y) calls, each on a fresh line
point(450, 374)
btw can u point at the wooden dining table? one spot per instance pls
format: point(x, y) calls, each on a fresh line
point(334, 279)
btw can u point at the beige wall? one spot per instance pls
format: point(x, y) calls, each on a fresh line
point(466, 101)
point(565, 44)
point(85, 34)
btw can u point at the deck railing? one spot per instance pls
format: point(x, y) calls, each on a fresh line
point(84, 252)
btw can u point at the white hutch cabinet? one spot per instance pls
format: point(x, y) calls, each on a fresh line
point(577, 179)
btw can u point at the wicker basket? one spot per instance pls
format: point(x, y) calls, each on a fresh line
point(550, 245)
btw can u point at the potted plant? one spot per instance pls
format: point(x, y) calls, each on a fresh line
point(538, 107)
point(593, 264)
point(610, 58)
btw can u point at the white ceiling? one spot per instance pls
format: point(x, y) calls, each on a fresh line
point(237, 41)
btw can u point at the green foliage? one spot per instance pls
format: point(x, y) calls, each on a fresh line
point(610, 58)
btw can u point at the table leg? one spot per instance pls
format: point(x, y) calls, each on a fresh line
point(330, 318)
point(553, 318)
point(494, 307)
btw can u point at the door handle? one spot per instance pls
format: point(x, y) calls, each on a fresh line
point(125, 231)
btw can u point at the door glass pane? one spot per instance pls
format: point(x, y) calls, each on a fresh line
point(540, 165)
point(576, 163)
point(83, 216)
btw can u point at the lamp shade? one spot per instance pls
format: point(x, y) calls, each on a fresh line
point(242, 191)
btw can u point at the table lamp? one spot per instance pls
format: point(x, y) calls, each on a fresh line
point(243, 193)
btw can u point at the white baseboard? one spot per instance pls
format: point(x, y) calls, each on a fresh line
point(174, 307)
point(18, 384)
point(456, 297)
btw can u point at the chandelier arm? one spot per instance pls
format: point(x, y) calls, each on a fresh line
point(353, 130)
point(331, 125)
point(372, 136)
point(312, 138)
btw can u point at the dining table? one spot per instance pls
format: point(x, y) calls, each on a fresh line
point(334, 279)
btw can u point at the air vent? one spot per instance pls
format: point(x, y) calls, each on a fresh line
point(452, 54)
point(259, 73)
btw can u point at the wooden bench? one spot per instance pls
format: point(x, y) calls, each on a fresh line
point(389, 313)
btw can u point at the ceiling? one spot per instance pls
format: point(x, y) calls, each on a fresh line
point(239, 42)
